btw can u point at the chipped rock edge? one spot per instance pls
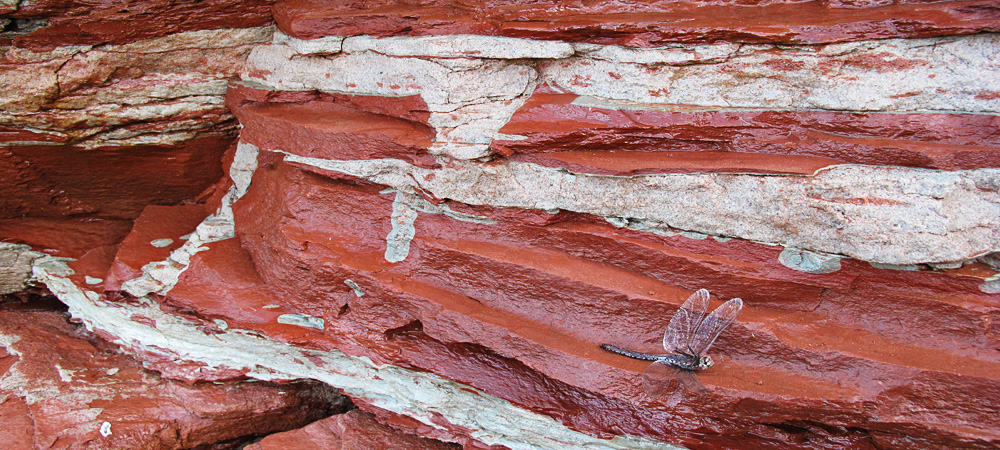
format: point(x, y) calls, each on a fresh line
point(420, 395)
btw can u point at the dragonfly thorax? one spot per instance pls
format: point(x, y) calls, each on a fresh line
point(688, 361)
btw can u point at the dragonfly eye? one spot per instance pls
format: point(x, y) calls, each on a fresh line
point(706, 361)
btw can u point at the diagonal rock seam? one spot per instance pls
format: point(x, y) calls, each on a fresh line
point(423, 396)
point(161, 276)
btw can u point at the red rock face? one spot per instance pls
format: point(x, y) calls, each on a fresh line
point(52, 199)
point(553, 131)
point(157, 232)
point(599, 275)
point(350, 256)
point(335, 127)
point(93, 132)
point(112, 23)
point(62, 391)
point(355, 430)
point(55, 181)
point(646, 24)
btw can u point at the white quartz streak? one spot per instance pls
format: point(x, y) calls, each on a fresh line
point(889, 215)
point(161, 276)
point(423, 396)
point(460, 46)
point(474, 84)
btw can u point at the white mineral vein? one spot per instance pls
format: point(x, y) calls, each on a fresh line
point(890, 215)
point(416, 394)
point(161, 276)
point(473, 85)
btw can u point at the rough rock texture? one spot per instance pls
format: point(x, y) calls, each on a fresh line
point(15, 269)
point(59, 390)
point(157, 90)
point(641, 24)
point(53, 23)
point(89, 86)
point(861, 212)
point(567, 130)
point(442, 209)
point(354, 430)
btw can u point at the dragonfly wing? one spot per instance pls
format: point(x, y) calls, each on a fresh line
point(685, 322)
point(690, 382)
point(656, 378)
point(710, 328)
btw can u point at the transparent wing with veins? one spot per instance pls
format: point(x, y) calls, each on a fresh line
point(710, 328)
point(681, 330)
point(657, 377)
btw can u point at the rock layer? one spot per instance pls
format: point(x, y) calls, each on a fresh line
point(582, 135)
point(126, 94)
point(443, 209)
point(61, 391)
point(355, 430)
point(645, 24)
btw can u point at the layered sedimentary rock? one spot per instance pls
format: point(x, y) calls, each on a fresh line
point(88, 88)
point(355, 430)
point(59, 390)
point(641, 24)
point(444, 209)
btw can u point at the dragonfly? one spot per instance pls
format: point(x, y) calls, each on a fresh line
point(687, 339)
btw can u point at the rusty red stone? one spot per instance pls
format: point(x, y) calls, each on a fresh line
point(551, 130)
point(335, 126)
point(592, 271)
point(355, 429)
point(640, 24)
point(98, 23)
point(63, 388)
point(860, 357)
point(57, 181)
point(157, 231)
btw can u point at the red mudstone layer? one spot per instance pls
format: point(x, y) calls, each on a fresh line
point(95, 23)
point(149, 238)
point(60, 388)
point(68, 201)
point(105, 182)
point(70, 238)
point(623, 142)
point(17, 134)
point(844, 348)
point(411, 107)
point(353, 430)
point(409, 346)
point(334, 126)
point(640, 24)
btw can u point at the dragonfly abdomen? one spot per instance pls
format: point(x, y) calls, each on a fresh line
point(679, 361)
point(631, 354)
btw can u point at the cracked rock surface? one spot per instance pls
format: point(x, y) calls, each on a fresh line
point(60, 388)
point(442, 210)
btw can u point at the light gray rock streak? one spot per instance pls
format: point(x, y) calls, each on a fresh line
point(424, 396)
point(889, 215)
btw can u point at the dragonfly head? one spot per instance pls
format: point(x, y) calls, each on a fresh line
point(705, 362)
